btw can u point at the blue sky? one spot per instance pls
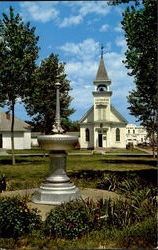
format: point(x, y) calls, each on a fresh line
point(75, 31)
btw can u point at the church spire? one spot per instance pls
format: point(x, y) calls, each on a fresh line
point(102, 73)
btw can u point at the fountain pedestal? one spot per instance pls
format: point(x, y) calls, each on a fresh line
point(57, 188)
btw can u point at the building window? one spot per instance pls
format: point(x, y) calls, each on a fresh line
point(128, 131)
point(87, 135)
point(117, 134)
point(133, 131)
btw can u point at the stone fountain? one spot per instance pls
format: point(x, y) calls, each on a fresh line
point(57, 188)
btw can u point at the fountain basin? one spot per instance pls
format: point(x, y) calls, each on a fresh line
point(57, 142)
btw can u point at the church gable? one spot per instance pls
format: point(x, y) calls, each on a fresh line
point(115, 116)
point(88, 116)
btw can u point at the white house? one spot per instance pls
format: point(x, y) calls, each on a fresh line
point(22, 132)
point(136, 134)
point(102, 126)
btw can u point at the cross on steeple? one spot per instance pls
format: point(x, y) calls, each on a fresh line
point(102, 48)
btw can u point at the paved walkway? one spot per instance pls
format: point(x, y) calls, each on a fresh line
point(90, 193)
point(148, 151)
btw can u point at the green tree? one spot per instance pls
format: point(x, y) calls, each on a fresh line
point(41, 102)
point(18, 52)
point(70, 126)
point(140, 26)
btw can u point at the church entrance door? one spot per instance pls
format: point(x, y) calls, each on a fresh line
point(100, 140)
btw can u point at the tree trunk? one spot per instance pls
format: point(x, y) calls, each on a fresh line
point(153, 144)
point(12, 131)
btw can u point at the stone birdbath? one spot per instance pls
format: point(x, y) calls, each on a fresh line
point(57, 187)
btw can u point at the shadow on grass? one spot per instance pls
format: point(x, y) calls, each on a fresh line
point(22, 160)
point(134, 155)
point(150, 162)
point(150, 175)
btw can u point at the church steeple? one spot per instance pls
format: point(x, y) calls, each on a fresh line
point(102, 76)
point(102, 73)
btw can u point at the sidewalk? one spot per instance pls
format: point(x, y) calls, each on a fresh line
point(148, 151)
point(95, 194)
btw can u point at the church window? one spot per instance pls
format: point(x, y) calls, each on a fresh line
point(87, 135)
point(117, 134)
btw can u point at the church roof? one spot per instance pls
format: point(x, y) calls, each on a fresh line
point(86, 114)
point(102, 73)
point(113, 110)
point(117, 113)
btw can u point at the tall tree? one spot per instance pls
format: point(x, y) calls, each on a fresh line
point(18, 53)
point(140, 26)
point(41, 102)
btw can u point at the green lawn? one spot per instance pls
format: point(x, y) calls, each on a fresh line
point(36, 150)
point(30, 171)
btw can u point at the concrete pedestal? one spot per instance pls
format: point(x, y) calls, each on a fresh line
point(57, 188)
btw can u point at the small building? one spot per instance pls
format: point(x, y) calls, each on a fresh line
point(22, 132)
point(136, 134)
point(102, 126)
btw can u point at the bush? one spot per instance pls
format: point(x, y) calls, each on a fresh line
point(75, 218)
point(16, 218)
point(141, 235)
point(121, 214)
point(126, 213)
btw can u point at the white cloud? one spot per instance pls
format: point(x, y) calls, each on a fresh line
point(40, 11)
point(104, 28)
point(82, 9)
point(118, 28)
point(85, 50)
point(45, 11)
point(97, 7)
point(73, 20)
point(121, 42)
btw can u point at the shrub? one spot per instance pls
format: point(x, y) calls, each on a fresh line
point(16, 218)
point(125, 213)
point(109, 182)
point(141, 235)
point(75, 218)
point(121, 214)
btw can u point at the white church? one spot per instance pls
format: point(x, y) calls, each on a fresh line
point(102, 126)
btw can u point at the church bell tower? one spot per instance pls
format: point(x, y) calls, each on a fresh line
point(102, 93)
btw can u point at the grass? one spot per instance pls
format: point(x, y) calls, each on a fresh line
point(30, 171)
point(36, 150)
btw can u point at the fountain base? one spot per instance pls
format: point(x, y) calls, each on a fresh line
point(56, 193)
point(57, 188)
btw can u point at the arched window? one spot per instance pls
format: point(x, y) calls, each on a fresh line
point(87, 135)
point(117, 134)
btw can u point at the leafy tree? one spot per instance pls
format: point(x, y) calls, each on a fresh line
point(18, 52)
point(41, 102)
point(140, 26)
point(70, 126)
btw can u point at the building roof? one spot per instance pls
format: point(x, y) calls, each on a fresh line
point(116, 112)
point(5, 123)
point(102, 73)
